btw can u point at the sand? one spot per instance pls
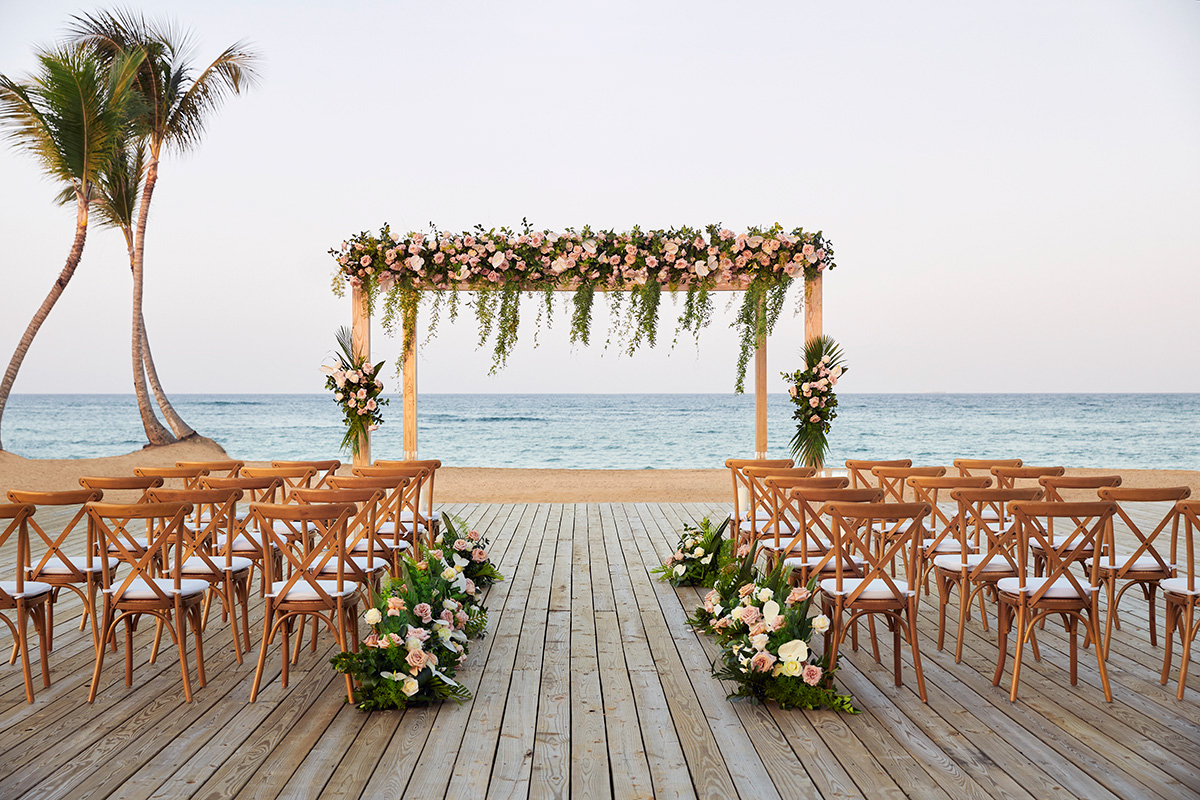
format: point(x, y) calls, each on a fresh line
point(482, 485)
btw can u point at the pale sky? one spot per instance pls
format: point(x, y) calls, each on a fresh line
point(1012, 188)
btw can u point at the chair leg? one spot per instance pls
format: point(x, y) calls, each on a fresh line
point(181, 622)
point(23, 646)
point(41, 622)
point(1151, 590)
point(944, 585)
point(287, 624)
point(1186, 650)
point(129, 649)
point(158, 629)
point(268, 614)
point(49, 621)
point(1072, 626)
point(1016, 676)
point(1003, 613)
point(896, 652)
point(109, 626)
point(964, 608)
point(198, 630)
point(982, 609)
point(1092, 622)
point(228, 591)
point(1169, 624)
point(916, 649)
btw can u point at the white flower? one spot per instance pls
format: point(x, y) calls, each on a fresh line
point(760, 641)
point(679, 570)
point(589, 247)
point(717, 609)
point(770, 611)
point(372, 617)
point(410, 687)
point(412, 644)
point(737, 612)
point(701, 269)
point(497, 258)
point(392, 676)
point(440, 538)
point(707, 559)
point(764, 595)
point(558, 265)
point(450, 605)
point(820, 623)
point(449, 574)
point(795, 650)
point(792, 668)
point(699, 551)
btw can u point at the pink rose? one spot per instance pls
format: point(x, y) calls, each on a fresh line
point(743, 551)
point(470, 586)
point(762, 661)
point(448, 616)
point(365, 261)
point(473, 536)
point(814, 402)
point(751, 615)
point(461, 618)
point(372, 640)
point(395, 638)
point(416, 659)
point(419, 633)
point(815, 418)
point(798, 595)
point(757, 628)
point(434, 554)
point(479, 555)
point(461, 544)
point(395, 606)
point(778, 622)
point(746, 590)
point(423, 611)
point(811, 674)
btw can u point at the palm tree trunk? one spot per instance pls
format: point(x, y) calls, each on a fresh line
point(64, 277)
point(180, 428)
point(155, 432)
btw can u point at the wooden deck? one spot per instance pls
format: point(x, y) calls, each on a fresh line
point(590, 685)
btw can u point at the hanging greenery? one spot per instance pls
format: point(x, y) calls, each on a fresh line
point(498, 265)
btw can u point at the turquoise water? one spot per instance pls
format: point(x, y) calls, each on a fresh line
point(632, 431)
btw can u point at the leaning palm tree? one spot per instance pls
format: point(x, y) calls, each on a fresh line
point(178, 101)
point(71, 115)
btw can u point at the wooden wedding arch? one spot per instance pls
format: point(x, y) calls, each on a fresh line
point(361, 327)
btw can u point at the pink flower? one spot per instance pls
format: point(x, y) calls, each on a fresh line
point(746, 590)
point(815, 418)
point(395, 606)
point(479, 555)
point(811, 674)
point(792, 390)
point(448, 616)
point(372, 640)
point(461, 618)
point(778, 622)
point(395, 638)
point(435, 554)
point(461, 544)
point(814, 402)
point(419, 633)
point(423, 611)
point(365, 261)
point(416, 659)
point(798, 595)
point(762, 661)
point(751, 615)
point(743, 551)
point(757, 628)
point(473, 536)
point(470, 586)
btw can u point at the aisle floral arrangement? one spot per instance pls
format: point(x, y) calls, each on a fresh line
point(698, 555)
point(470, 549)
point(812, 393)
point(356, 389)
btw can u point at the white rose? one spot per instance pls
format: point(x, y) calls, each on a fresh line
point(764, 595)
point(410, 687)
point(449, 574)
point(737, 612)
point(795, 650)
point(759, 642)
point(412, 644)
point(792, 668)
point(820, 623)
point(373, 616)
point(699, 551)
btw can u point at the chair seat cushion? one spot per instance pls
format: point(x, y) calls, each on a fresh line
point(1172, 585)
point(1061, 589)
point(361, 547)
point(955, 563)
point(303, 590)
point(139, 543)
point(363, 564)
point(391, 527)
point(947, 545)
point(31, 589)
point(876, 589)
point(1143, 563)
point(1036, 544)
point(140, 589)
point(56, 566)
point(242, 543)
point(796, 562)
point(196, 565)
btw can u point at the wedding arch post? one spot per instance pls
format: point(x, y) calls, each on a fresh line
point(361, 322)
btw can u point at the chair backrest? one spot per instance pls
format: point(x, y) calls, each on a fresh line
point(860, 471)
point(189, 477)
point(108, 525)
point(784, 509)
point(1126, 499)
point(894, 480)
point(54, 543)
point(1189, 512)
point(325, 469)
point(219, 469)
point(1035, 525)
point(292, 477)
point(327, 521)
point(815, 532)
point(851, 529)
point(968, 467)
point(995, 535)
point(365, 522)
point(14, 519)
point(758, 510)
point(221, 516)
point(254, 490)
point(743, 503)
point(406, 499)
point(122, 484)
point(1057, 484)
point(926, 489)
point(1007, 477)
point(431, 464)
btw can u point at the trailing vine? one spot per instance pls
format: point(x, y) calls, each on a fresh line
point(497, 265)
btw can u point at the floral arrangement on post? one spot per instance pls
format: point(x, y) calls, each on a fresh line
point(498, 265)
point(698, 556)
point(469, 550)
point(356, 388)
point(816, 404)
point(416, 643)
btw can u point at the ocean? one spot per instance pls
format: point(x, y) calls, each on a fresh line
point(643, 431)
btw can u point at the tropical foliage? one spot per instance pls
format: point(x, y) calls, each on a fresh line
point(500, 265)
point(698, 555)
point(812, 393)
point(357, 390)
point(470, 552)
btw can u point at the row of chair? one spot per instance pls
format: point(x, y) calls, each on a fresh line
point(319, 540)
point(855, 533)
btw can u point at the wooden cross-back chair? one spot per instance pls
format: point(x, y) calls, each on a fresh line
point(810, 552)
point(972, 467)
point(431, 464)
point(761, 520)
point(188, 477)
point(325, 470)
point(1007, 477)
point(367, 553)
point(405, 517)
point(1055, 485)
point(1026, 599)
point(27, 598)
point(872, 591)
point(129, 485)
point(743, 506)
point(786, 521)
point(390, 536)
point(292, 478)
point(80, 574)
point(1182, 595)
point(943, 523)
point(1145, 566)
point(986, 553)
point(229, 468)
point(861, 475)
point(333, 601)
point(176, 603)
point(246, 543)
point(207, 555)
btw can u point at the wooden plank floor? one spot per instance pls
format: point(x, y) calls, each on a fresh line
point(590, 685)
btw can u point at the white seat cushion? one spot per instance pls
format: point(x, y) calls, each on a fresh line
point(56, 566)
point(361, 547)
point(140, 543)
point(389, 528)
point(303, 590)
point(139, 589)
point(954, 563)
point(373, 565)
point(242, 543)
point(1059, 590)
point(1143, 563)
point(796, 562)
point(32, 588)
point(876, 588)
point(1036, 544)
point(1172, 585)
point(196, 565)
point(946, 545)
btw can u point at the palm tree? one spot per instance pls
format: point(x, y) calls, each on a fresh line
point(71, 116)
point(178, 101)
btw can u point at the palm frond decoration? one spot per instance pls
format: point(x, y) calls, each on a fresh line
point(816, 404)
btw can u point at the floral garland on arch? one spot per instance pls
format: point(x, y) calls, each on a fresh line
point(356, 389)
point(812, 393)
point(498, 265)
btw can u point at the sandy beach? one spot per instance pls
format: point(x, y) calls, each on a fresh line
point(482, 485)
